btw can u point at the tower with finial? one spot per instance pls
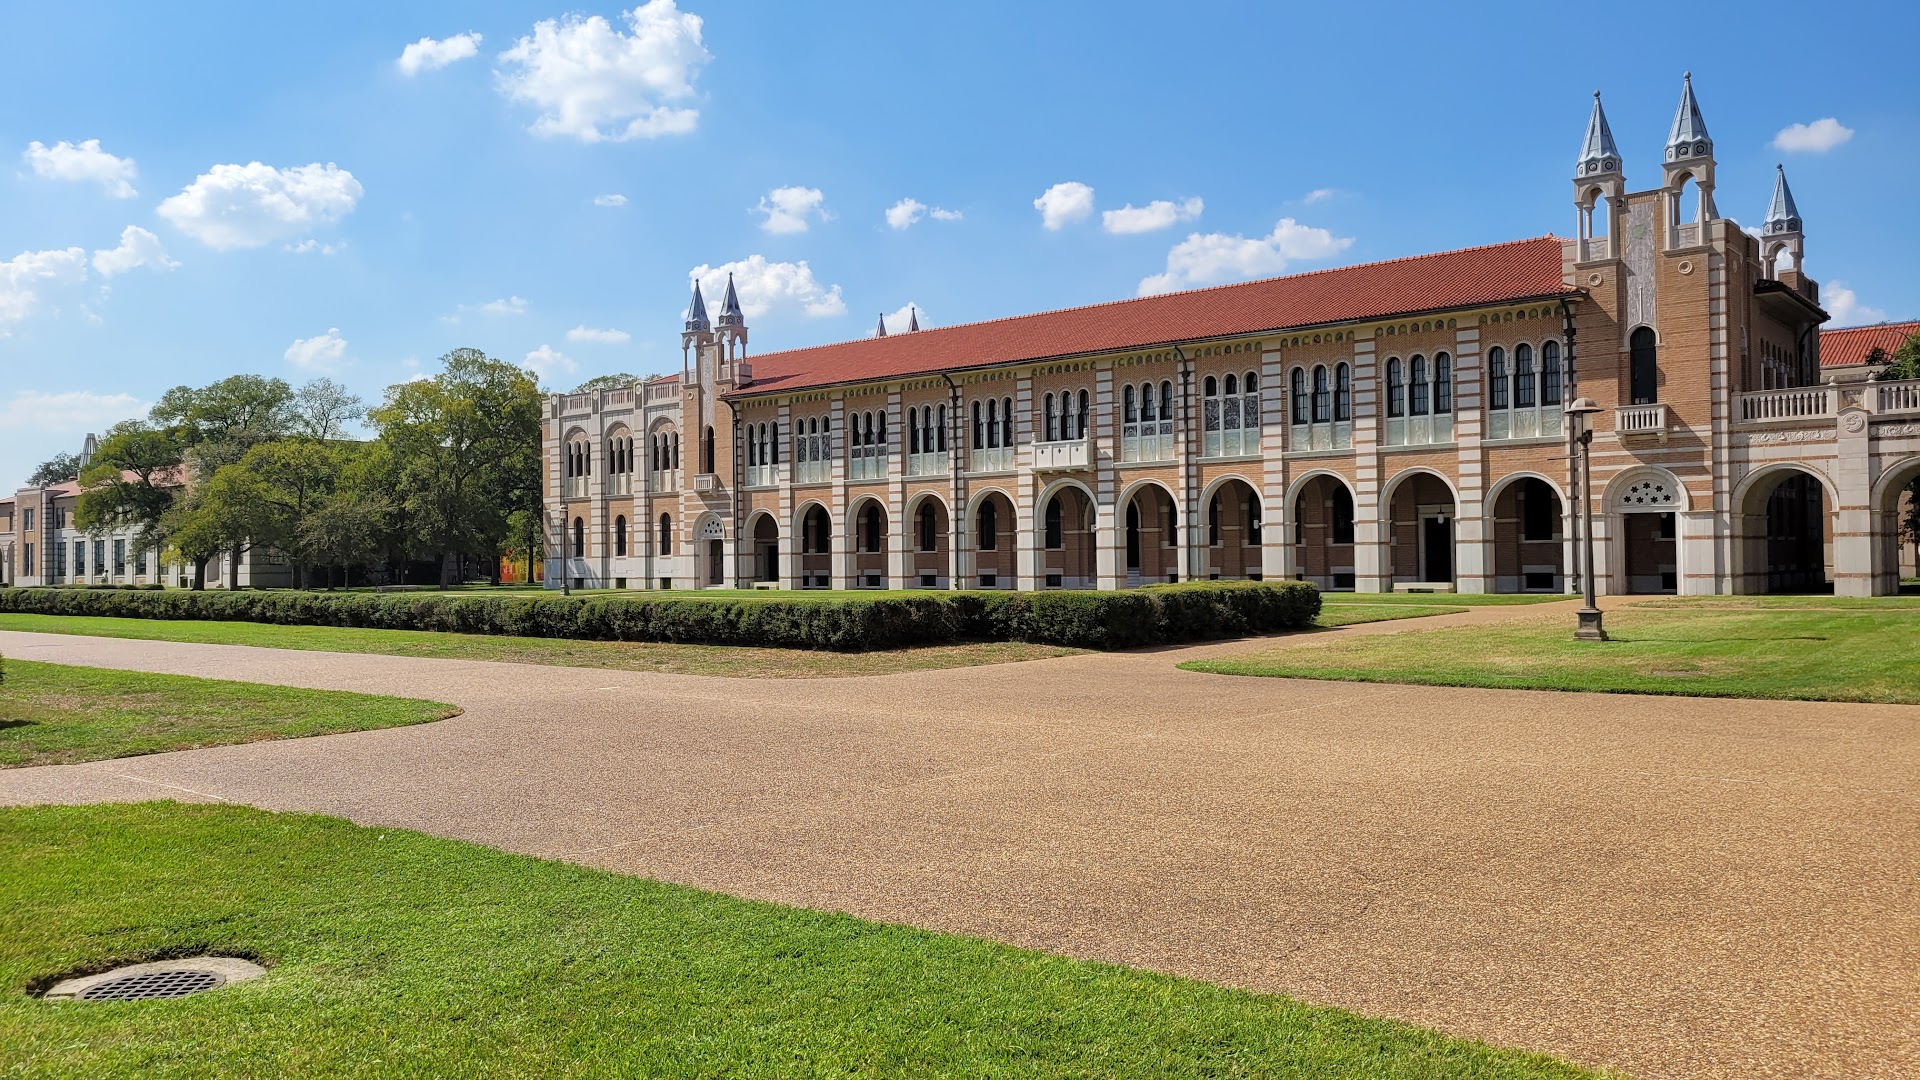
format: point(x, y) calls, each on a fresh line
point(1780, 233)
point(1598, 175)
point(699, 329)
point(1689, 157)
point(913, 318)
point(732, 324)
point(880, 330)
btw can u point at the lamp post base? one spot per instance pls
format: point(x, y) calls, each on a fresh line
point(1589, 628)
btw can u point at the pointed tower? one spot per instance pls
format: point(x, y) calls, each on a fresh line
point(913, 319)
point(881, 329)
point(1780, 234)
point(1598, 175)
point(1689, 157)
point(732, 325)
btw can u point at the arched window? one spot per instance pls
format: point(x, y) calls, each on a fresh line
point(1417, 386)
point(1080, 418)
point(1442, 383)
point(1166, 399)
point(706, 450)
point(1055, 528)
point(940, 430)
point(913, 432)
point(620, 536)
point(1233, 385)
point(1130, 408)
point(1006, 421)
point(929, 527)
point(1053, 421)
point(1322, 396)
point(1396, 388)
point(1342, 393)
point(579, 538)
point(1644, 366)
point(1298, 392)
point(1523, 376)
point(666, 534)
point(1550, 373)
point(1496, 378)
point(988, 527)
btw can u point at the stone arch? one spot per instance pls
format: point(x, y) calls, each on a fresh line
point(1321, 512)
point(1300, 483)
point(762, 539)
point(1639, 513)
point(1891, 561)
point(929, 541)
point(1231, 530)
point(1068, 515)
point(867, 536)
point(1620, 490)
point(1419, 512)
point(1149, 518)
point(1783, 528)
point(1529, 526)
point(992, 536)
point(813, 545)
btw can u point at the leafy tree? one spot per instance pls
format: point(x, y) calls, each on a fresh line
point(463, 442)
point(267, 496)
point(240, 410)
point(1903, 362)
point(346, 530)
point(133, 484)
point(606, 382)
point(322, 409)
point(57, 469)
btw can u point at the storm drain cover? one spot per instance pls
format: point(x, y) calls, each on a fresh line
point(154, 984)
point(158, 980)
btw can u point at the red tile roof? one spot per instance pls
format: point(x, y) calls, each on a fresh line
point(1518, 270)
point(1852, 345)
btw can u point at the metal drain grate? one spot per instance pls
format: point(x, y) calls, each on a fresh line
point(154, 984)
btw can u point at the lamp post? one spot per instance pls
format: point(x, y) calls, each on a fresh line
point(1579, 413)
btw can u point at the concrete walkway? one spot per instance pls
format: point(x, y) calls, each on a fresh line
point(1677, 887)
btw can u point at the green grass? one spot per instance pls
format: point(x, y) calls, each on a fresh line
point(1332, 615)
point(54, 714)
point(1443, 599)
point(721, 660)
point(1859, 652)
point(397, 954)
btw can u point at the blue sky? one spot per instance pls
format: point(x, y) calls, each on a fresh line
point(544, 192)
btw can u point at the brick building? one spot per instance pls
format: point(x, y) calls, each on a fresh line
point(1391, 425)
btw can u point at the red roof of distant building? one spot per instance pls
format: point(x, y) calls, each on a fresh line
point(1518, 270)
point(1852, 345)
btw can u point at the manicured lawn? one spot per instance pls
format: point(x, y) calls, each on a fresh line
point(624, 655)
point(1354, 614)
point(1443, 599)
point(54, 714)
point(1858, 652)
point(397, 954)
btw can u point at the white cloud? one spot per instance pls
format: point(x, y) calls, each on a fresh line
point(1844, 305)
point(138, 248)
point(596, 84)
point(322, 353)
point(310, 246)
point(1207, 258)
point(599, 337)
point(68, 410)
point(1063, 204)
point(84, 162)
point(788, 208)
point(616, 199)
point(1816, 138)
point(1320, 195)
point(769, 286)
point(252, 205)
point(1156, 215)
point(909, 211)
point(24, 276)
point(897, 320)
point(512, 305)
point(546, 362)
point(430, 55)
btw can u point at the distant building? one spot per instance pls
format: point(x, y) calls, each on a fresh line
point(1391, 425)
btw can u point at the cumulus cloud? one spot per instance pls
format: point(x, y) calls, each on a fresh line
point(1320, 195)
point(909, 211)
point(788, 208)
point(511, 305)
point(84, 163)
point(68, 410)
point(24, 277)
point(589, 81)
point(1816, 138)
point(1208, 258)
point(599, 337)
point(138, 248)
point(546, 362)
point(1063, 204)
point(1156, 215)
point(430, 55)
point(252, 205)
point(616, 199)
point(1844, 305)
point(322, 353)
point(766, 287)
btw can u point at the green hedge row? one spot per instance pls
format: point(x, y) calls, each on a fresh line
point(1093, 620)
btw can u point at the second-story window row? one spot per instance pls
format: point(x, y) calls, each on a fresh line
point(1147, 421)
point(867, 444)
point(1419, 400)
point(763, 453)
point(1230, 415)
point(927, 439)
point(1065, 415)
point(1524, 391)
point(813, 449)
point(992, 446)
point(1320, 406)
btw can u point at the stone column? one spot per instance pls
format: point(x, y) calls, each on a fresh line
point(1852, 495)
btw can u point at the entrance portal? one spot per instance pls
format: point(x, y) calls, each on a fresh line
point(1651, 554)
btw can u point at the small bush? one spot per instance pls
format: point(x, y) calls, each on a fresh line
point(851, 622)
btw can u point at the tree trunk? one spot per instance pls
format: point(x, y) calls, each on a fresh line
point(199, 575)
point(233, 570)
point(447, 563)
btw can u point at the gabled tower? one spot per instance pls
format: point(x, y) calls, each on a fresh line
point(1689, 157)
point(731, 328)
point(1598, 174)
point(1780, 234)
point(699, 329)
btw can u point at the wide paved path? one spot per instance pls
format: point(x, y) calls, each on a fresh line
point(1677, 887)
